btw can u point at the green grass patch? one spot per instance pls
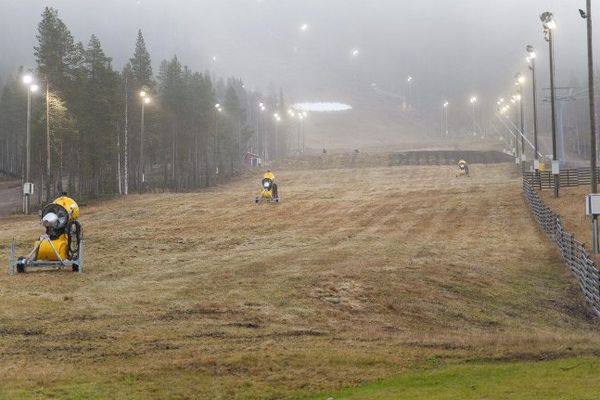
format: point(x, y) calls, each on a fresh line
point(560, 379)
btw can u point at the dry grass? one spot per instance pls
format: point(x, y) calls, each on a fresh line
point(570, 205)
point(357, 275)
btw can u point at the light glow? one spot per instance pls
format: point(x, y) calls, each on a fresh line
point(321, 107)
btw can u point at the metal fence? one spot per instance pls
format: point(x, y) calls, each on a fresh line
point(573, 252)
point(567, 178)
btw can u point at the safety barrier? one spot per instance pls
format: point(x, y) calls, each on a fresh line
point(567, 178)
point(573, 252)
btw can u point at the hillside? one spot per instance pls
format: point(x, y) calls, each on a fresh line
point(358, 275)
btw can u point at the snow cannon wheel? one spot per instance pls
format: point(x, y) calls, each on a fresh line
point(21, 265)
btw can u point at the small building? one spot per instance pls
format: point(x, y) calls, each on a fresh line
point(252, 160)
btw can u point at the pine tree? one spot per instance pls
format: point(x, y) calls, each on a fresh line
point(54, 51)
point(172, 101)
point(100, 125)
point(141, 78)
point(86, 112)
point(141, 64)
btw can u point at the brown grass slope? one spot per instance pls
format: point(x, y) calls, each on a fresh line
point(357, 275)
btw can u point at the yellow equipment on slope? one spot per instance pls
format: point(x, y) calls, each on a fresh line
point(463, 168)
point(269, 192)
point(62, 244)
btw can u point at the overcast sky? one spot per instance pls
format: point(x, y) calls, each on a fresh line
point(453, 48)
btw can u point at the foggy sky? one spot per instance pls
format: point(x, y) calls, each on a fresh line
point(454, 49)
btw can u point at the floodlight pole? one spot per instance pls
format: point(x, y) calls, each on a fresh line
point(553, 106)
point(142, 166)
point(535, 122)
point(522, 125)
point(126, 155)
point(593, 150)
point(446, 118)
point(48, 152)
point(28, 150)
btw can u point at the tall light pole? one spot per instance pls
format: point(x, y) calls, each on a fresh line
point(473, 102)
point(531, 59)
point(126, 144)
point(513, 101)
point(304, 116)
point(27, 188)
point(445, 118)
point(259, 145)
point(409, 80)
point(145, 100)
point(218, 110)
point(549, 25)
point(297, 115)
point(277, 118)
point(519, 81)
point(48, 144)
point(591, 93)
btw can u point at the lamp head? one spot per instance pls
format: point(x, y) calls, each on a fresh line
point(548, 21)
point(519, 79)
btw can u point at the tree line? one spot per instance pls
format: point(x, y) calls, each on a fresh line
point(94, 134)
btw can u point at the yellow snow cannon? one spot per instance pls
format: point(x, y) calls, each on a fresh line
point(269, 192)
point(463, 168)
point(61, 245)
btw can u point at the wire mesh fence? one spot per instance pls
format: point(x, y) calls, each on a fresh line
point(573, 252)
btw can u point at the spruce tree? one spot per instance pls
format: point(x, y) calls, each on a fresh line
point(141, 78)
point(141, 64)
point(172, 102)
point(100, 125)
point(54, 50)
